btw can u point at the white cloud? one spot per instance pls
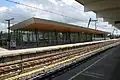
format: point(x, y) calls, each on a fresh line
point(69, 2)
point(54, 2)
point(63, 7)
point(3, 9)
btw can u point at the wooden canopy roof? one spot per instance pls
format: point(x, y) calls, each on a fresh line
point(48, 25)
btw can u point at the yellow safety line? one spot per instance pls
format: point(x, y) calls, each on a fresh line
point(41, 69)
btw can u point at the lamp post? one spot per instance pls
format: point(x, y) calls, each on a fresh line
point(9, 36)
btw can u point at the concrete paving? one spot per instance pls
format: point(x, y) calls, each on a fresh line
point(105, 66)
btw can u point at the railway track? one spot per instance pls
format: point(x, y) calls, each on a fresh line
point(13, 68)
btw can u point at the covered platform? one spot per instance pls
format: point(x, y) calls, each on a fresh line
point(48, 25)
point(40, 32)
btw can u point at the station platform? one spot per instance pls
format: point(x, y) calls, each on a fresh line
point(3, 49)
point(105, 66)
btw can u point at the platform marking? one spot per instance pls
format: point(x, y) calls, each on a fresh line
point(88, 67)
point(94, 76)
point(93, 73)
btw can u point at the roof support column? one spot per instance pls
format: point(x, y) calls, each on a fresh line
point(78, 36)
point(19, 41)
point(68, 37)
point(21, 35)
point(48, 38)
point(94, 35)
point(56, 37)
point(86, 38)
point(63, 39)
point(1, 38)
point(82, 37)
point(36, 36)
point(104, 36)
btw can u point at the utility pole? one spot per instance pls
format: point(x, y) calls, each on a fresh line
point(9, 35)
point(90, 20)
point(95, 23)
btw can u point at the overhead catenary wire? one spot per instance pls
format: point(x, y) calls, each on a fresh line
point(45, 10)
point(71, 6)
point(16, 2)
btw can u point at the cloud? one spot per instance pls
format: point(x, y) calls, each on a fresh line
point(71, 11)
point(21, 12)
point(3, 9)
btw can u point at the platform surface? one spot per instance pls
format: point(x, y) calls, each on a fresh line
point(105, 66)
point(2, 49)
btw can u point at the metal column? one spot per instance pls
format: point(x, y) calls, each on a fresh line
point(36, 36)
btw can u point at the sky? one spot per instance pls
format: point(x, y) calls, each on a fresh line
point(5, 3)
point(73, 13)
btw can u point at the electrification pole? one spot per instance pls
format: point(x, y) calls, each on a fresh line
point(95, 23)
point(90, 20)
